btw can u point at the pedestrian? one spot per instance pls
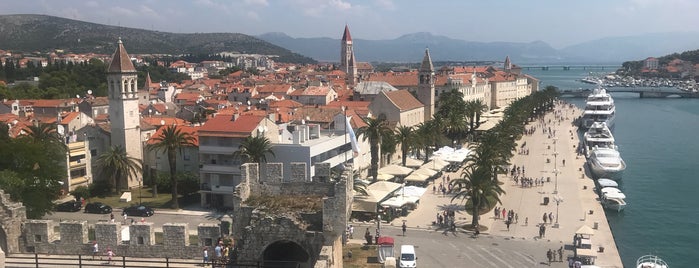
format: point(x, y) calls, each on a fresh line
point(404, 227)
point(351, 231)
point(111, 217)
point(508, 224)
point(125, 216)
point(218, 251)
point(504, 212)
point(367, 236)
point(526, 221)
point(516, 218)
point(543, 231)
point(549, 254)
point(551, 217)
point(143, 220)
point(560, 254)
point(544, 217)
point(110, 254)
point(205, 262)
point(95, 249)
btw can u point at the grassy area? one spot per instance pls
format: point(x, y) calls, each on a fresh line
point(362, 256)
point(286, 203)
point(144, 195)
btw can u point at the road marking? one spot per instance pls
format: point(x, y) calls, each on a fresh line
point(495, 257)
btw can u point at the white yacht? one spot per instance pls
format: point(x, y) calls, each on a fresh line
point(598, 135)
point(606, 163)
point(651, 261)
point(607, 183)
point(599, 107)
point(612, 198)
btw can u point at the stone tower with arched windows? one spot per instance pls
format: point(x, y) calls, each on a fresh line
point(425, 86)
point(123, 107)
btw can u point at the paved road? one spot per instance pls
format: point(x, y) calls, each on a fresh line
point(436, 248)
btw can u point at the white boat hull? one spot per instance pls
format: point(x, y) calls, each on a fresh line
point(614, 204)
point(604, 172)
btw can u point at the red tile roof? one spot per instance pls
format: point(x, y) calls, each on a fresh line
point(403, 99)
point(163, 121)
point(192, 130)
point(225, 126)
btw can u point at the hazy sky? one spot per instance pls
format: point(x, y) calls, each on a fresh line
point(557, 22)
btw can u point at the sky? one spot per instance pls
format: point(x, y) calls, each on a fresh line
point(557, 22)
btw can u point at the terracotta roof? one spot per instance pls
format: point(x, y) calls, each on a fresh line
point(403, 99)
point(163, 120)
point(121, 62)
point(192, 130)
point(279, 89)
point(97, 101)
point(227, 127)
point(285, 103)
point(67, 117)
point(322, 114)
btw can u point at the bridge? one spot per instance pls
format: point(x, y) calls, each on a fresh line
point(571, 67)
point(642, 92)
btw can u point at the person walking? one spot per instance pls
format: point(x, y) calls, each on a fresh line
point(560, 254)
point(551, 217)
point(404, 227)
point(549, 254)
point(544, 217)
point(507, 222)
point(110, 254)
point(111, 217)
point(351, 231)
point(205, 261)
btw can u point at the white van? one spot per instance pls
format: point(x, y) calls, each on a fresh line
point(408, 259)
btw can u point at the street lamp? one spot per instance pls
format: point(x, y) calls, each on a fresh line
point(140, 186)
point(558, 200)
point(555, 163)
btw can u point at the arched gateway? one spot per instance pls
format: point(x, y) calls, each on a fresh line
point(285, 253)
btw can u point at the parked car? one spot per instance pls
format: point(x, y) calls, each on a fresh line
point(98, 208)
point(138, 210)
point(70, 206)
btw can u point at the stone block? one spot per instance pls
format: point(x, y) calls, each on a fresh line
point(322, 171)
point(108, 234)
point(298, 172)
point(175, 235)
point(40, 231)
point(274, 173)
point(142, 234)
point(208, 233)
point(74, 232)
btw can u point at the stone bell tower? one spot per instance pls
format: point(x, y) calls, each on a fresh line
point(425, 86)
point(123, 108)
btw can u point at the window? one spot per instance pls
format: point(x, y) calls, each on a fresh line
point(93, 152)
point(140, 240)
point(208, 242)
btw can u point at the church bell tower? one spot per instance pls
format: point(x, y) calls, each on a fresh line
point(425, 86)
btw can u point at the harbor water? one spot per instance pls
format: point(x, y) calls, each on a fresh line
point(658, 139)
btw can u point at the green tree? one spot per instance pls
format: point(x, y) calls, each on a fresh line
point(405, 137)
point(254, 149)
point(118, 166)
point(374, 131)
point(170, 141)
point(475, 184)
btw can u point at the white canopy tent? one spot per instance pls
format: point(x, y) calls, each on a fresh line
point(426, 171)
point(399, 201)
point(395, 170)
point(383, 177)
point(376, 192)
point(435, 164)
point(416, 177)
point(413, 191)
point(412, 162)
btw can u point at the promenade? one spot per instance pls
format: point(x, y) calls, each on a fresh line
point(579, 206)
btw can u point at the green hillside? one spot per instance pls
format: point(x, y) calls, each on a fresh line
point(30, 33)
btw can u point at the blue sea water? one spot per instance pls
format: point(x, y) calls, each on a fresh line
point(658, 140)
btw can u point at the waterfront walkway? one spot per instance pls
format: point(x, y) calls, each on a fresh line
point(580, 205)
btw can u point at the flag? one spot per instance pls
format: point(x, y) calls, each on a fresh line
point(353, 137)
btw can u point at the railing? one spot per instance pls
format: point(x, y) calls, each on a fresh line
point(35, 260)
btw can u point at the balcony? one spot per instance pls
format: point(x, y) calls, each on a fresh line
point(216, 149)
point(77, 164)
point(226, 169)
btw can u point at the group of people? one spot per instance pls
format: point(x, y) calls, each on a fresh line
point(223, 254)
point(509, 216)
point(96, 249)
point(552, 253)
point(447, 219)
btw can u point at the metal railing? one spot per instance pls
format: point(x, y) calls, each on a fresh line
point(40, 261)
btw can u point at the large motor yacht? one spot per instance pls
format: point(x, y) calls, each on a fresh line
point(612, 198)
point(606, 163)
point(599, 107)
point(598, 135)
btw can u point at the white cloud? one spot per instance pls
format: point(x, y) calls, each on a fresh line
point(340, 5)
point(92, 4)
point(121, 11)
point(253, 15)
point(387, 4)
point(257, 2)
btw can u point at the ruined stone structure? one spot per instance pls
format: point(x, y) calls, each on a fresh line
point(311, 239)
point(12, 215)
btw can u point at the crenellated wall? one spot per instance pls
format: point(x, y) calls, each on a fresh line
point(73, 239)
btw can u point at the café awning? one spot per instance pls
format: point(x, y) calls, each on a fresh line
point(395, 170)
point(416, 177)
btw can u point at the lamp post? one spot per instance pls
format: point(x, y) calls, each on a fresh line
point(558, 200)
point(140, 186)
point(555, 163)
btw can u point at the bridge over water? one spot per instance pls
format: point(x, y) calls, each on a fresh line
point(642, 92)
point(570, 67)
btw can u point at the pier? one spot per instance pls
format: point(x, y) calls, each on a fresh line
point(642, 93)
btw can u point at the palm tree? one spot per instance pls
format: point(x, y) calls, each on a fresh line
point(254, 149)
point(405, 136)
point(476, 185)
point(118, 165)
point(171, 140)
point(479, 107)
point(375, 129)
point(45, 133)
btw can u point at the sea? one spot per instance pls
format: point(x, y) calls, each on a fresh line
point(659, 141)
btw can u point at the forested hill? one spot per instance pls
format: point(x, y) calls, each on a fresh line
point(30, 33)
point(691, 56)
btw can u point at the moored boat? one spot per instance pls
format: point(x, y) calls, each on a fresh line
point(598, 135)
point(606, 163)
point(599, 107)
point(651, 261)
point(603, 182)
point(612, 198)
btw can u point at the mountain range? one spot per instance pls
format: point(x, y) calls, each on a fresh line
point(31, 33)
point(409, 47)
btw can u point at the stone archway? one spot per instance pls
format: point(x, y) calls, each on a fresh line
point(285, 253)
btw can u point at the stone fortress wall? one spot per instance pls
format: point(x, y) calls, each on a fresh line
point(319, 234)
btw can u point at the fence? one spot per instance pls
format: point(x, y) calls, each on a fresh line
point(42, 261)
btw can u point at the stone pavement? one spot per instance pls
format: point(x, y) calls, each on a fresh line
point(580, 205)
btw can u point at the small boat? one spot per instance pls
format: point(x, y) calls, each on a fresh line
point(651, 261)
point(612, 198)
point(607, 183)
point(606, 163)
